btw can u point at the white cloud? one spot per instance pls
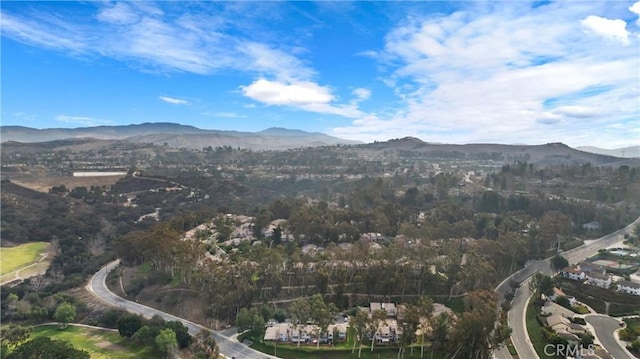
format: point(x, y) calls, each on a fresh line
point(228, 115)
point(173, 100)
point(304, 95)
point(81, 120)
point(578, 111)
point(361, 94)
point(496, 73)
point(296, 94)
point(142, 34)
point(33, 32)
point(120, 13)
point(607, 28)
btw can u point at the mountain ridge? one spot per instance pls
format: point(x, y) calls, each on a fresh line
point(623, 152)
point(176, 135)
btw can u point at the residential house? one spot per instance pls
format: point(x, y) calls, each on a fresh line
point(573, 273)
point(390, 308)
point(560, 324)
point(591, 268)
point(340, 329)
point(388, 332)
point(551, 308)
point(628, 287)
point(599, 280)
point(278, 332)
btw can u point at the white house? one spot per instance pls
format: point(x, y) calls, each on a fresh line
point(629, 287)
point(599, 280)
point(573, 273)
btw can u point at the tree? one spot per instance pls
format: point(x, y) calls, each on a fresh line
point(182, 333)
point(323, 314)
point(166, 341)
point(300, 313)
point(12, 301)
point(359, 324)
point(440, 332)
point(475, 332)
point(251, 320)
point(146, 335)
point(204, 346)
point(541, 284)
point(377, 318)
point(65, 313)
point(563, 301)
point(558, 262)
point(425, 312)
point(408, 323)
point(129, 325)
point(45, 348)
point(14, 335)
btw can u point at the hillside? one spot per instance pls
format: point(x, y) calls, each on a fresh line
point(547, 154)
point(625, 152)
point(177, 136)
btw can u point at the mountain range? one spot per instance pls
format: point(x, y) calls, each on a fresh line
point(182, 136)
point(177, 135)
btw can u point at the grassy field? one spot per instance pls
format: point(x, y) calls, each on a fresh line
point(311, 353)
point(14, 258)
point(99, 343)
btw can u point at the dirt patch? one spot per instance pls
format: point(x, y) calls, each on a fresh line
point(109, 346)
point(43, 184)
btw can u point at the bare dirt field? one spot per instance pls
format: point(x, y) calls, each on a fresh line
point(43, 184)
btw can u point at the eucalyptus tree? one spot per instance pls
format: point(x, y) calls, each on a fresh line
point(378, 317)
point(359, 324)
point(300, 311)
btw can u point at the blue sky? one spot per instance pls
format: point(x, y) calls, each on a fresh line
point(455, 72)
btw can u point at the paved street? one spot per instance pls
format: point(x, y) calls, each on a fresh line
point(604, 327)
point(228, 348)
point(520, 337)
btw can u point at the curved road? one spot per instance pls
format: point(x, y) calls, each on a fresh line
point(231, 349)
point(516, 316)
point(604, 327)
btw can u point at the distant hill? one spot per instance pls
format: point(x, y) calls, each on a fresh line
point(176, 135)
point(625, 152)
point(547, 154)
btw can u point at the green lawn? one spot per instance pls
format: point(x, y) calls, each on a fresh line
point(327, 353)
point(14, 258)
point(99, 343)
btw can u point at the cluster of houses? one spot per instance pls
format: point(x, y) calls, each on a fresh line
point(388, 332)
point(304, 334)
point(561, 321)
point(595, 275)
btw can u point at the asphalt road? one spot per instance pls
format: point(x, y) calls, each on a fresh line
point(516, 316)
point(228, 348)
point(604, 327)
